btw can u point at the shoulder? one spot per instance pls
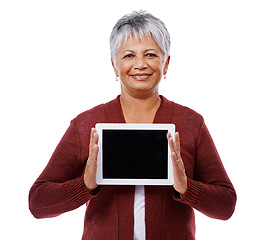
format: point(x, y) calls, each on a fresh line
point(183, 113)
point(87, 119)
point(186, 113)
point(187, 121)
point(91, 114)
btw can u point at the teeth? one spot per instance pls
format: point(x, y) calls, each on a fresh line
point(141, 77)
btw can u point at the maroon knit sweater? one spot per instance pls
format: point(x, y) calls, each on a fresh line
point(109, 214)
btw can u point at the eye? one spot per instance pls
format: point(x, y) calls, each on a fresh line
point(129, 56)
point(151, 55)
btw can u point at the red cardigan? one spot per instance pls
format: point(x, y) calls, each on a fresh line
point(109, 214)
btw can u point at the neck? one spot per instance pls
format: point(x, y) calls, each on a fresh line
point(139, 110)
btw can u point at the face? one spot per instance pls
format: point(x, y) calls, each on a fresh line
point(140, 65)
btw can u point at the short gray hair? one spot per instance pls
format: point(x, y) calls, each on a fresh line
point(139, 24)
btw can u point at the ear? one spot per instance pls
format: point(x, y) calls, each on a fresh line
point(165, 69)
point(114, 67)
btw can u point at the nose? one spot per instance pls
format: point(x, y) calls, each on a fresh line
point(140, 63)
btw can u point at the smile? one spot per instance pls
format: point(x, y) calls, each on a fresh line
point(141, 77)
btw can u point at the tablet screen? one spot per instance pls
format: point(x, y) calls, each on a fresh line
point(135, 154)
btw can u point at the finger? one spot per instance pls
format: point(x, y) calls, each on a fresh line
point(173, 147)
point(177, 161)
point(93, 147)
point(94, 152)
point(174, 158)
point(177, 167)
point(177, 143)
point(171, 142)
point(95, 138)
point(168, 135)
point(91, 138)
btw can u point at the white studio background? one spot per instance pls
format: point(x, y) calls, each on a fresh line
point(55, 63)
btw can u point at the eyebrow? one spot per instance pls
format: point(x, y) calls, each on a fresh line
point(128, 51)
point(151, 49)
point(147, 50)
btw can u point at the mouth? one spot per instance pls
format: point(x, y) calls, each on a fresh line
point(141, 77)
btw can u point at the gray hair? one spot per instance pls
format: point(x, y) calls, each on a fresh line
point(139, 24)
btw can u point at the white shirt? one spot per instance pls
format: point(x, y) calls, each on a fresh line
point(139, 213)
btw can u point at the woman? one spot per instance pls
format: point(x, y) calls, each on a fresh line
point(140, 57)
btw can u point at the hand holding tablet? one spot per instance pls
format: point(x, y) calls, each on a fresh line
point(91, 165)
point(180, 178)
point(135, 154)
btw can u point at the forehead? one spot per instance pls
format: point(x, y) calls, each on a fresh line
point(139, 43)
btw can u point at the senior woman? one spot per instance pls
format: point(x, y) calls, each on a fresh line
point(140, 46)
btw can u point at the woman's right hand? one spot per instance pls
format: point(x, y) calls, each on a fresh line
point(91, 165)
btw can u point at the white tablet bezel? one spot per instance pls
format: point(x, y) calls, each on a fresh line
point(128, 126)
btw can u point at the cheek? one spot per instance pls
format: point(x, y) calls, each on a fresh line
point(159, 69)
point(124, 68)
point(157, 66)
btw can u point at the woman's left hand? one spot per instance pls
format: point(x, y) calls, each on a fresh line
point(180, 178)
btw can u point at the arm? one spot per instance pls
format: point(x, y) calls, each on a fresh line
point(210, 191)
point(60, 187)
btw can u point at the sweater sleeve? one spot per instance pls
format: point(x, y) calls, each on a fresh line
point(210, 191)
point(60, 187)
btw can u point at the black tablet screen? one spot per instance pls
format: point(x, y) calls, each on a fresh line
point(135, 154)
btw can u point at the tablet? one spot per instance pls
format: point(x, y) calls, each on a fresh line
point(134, 154)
